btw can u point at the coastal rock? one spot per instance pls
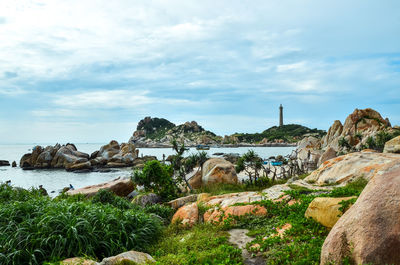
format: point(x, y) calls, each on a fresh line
point(79, 166)
point(328, 154)
point(392, 146)
point(187, 215)
point(67, 155)
point(275, 192)
point(343, 169)
point(130, 257)
point(4, 163)
point(369, 232)
point(196, 180)
point(332, 135)
point(120, 186)
point(230, 199)
point(218, 170)
point(147, 199)
point(78, 261)
point(217, 215)
point(109, 150)
point(325, 210)
point(25, 161)
point(177, 203)
point(14, 164)
point(308, 150)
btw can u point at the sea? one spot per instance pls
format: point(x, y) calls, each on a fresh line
point(54, 180)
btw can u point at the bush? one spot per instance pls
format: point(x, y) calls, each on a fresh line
point(157, 178)
point(107, 197)
point(203, 244)
point(34, 229)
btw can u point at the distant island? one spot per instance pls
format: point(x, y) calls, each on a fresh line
point(158, 132)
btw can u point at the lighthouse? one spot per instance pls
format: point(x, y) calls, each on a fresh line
point(280, 115)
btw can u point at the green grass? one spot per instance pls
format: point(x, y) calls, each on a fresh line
point(202, 244)
point(34, 229)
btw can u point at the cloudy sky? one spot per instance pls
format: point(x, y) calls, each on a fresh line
point(88, 71)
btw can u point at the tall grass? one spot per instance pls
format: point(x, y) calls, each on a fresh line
point(34, 229)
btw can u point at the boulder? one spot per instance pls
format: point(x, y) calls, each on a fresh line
point(4, 163)
point(25, 161)
point(130, 257)
point(328, 154)
point(343, 169)
point(230, 199)
point(66, 156)
point(178, 203)
point(275, 192)
point(78, 261)
point(369, 232)
point(14, 164)
point(325, 210)
point(109, 150)
point(332, 136)
point(120, 186)
point(218, 170)
point(187, 215)
point(196, 180)
point(392, 146)
point(216, 215)
point(79, 166)
point(147, 199)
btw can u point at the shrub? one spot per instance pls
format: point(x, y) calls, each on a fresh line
point(157, 178)
point(34, 229)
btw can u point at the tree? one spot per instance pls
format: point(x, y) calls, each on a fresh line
point(157, 177)
point(251, 163)
point(182, 166)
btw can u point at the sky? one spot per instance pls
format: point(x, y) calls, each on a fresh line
point(88, 71)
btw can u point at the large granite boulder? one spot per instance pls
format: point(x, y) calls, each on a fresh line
point(325, 210)
point(187, 215)
point(328, 154)
point(218, 170)
point(67, 156)
point(392, 146)
point(369, 232)
point(177, 203)
point(120, 186)
point(217, 215)
point(332, 136)
point(343, 169)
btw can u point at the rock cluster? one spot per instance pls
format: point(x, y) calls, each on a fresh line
point(68, 157)
point(359, 127)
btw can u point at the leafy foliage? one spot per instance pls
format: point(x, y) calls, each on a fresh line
point(288, 133)
point(251, 163)
point(34, 229)
point(157, 178)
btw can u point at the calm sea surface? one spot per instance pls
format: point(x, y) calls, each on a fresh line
point(55, 180)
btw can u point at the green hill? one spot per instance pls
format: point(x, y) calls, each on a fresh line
point(288, 133)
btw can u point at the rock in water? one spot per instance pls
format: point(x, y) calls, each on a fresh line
point(369, 232)
point(4, 163)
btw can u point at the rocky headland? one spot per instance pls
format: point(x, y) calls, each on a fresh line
point(159, 132)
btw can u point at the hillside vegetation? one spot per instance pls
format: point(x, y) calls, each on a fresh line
point(288, 133)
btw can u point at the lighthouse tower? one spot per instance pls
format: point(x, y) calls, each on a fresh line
point(280, 115)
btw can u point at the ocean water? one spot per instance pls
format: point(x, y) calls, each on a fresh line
point(53, 180)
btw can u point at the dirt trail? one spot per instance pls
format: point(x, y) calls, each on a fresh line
point(239, 238)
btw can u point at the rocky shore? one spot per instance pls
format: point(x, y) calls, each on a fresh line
point(112, 155)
